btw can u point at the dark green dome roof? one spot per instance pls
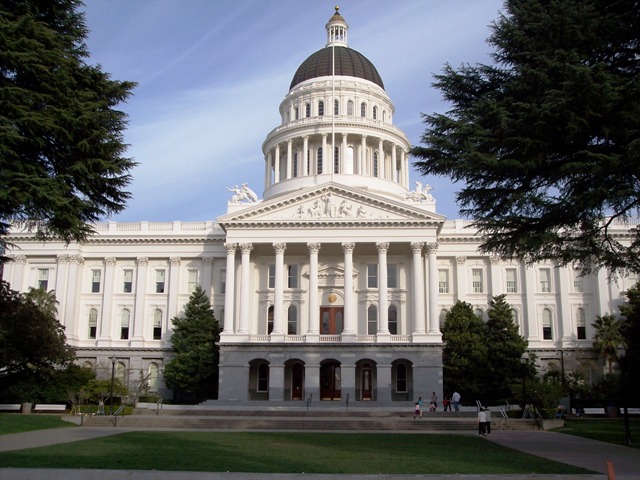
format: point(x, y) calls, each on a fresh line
point(348, 63)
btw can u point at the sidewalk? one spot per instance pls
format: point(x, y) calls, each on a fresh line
point(569, 449)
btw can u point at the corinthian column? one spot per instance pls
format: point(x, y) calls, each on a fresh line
point(418, 288)
point(230, 283)
point(434, 317)
point(383, 300)
point(314, 323)
point(278, 301)
point(349, 311)
point(245, 248)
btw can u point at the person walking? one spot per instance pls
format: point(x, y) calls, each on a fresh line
point(418, 408)
point(482, 422)
point(446, 403)
point(487, 414)
point(434, 401)
point(455, 398)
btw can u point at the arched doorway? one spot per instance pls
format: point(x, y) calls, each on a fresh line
point(366, 381)
point(330, 381)
point(294, 379)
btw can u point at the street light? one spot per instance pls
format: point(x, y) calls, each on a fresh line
point(623, 382)
point(113, 372)
point(524, 361)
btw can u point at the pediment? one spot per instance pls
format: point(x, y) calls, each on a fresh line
point(330, 204)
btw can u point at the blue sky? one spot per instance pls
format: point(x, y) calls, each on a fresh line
point(211, 75)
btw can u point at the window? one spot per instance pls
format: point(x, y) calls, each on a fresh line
point(270, 320)
point(295, 164)
point(375, 113)
point(263, 378)
point(372, 276)
point(372, 320)
point(443, 318)
point(512, 286)
point(319, 168)
point(157, 324)
point(193, 281)
point(401, 378)
point(154, 369)
point(545, 280)
point(223, 281)
point(292, 276)
point(292, 320)
point(127, 286)
point(516, 316)
point(336, 107)
point(363, 109)
point(578, 285)
point(93, 323)
point(443, 281)
point(546, 324)
point(476, 275)
point(479, 313)
point(393, 320)
point(95, 281)
point(350, 107)
point(43, 278)
point(320, 108)
point(121, 373)
point(159, 281)
point(124, 324)
point(375, 164)
point(336, 160)
point(271, 276)
point(307, 110)
point(297, 113)
point(392, 275)
point(581, 324)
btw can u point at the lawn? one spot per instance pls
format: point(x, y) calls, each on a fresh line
point(16, 423)
point(328, 453)
point(609, 430)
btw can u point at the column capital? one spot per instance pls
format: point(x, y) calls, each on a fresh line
point(206, 260)
point(314, 247)
point(432, 247)
point(280, 247)
point(110, 261)
point(416, 247)
point(461, 260)
point(79, 259)
point(245, 247)
point(382, 247)
point(495, 259)
point(175, 261)
point(142, 261)
point(348, 247)
point(59, 258)
point(22, 258)
point(231, 247)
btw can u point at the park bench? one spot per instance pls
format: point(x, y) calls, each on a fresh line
point(49, 407)
point(632, 411)
point(590, 411)
point(10, 407)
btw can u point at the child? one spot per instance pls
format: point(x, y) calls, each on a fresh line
point(418, 408)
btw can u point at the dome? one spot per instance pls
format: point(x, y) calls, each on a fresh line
point(348, 63)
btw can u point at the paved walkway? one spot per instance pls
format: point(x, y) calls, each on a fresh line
point(573, 450)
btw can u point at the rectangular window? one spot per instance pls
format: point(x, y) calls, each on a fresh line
point(578, 286)
point(95, 281)
point(157, 324)
point(193, 280)
point(581, 324)
point(127, 286)
point(124, 325)
point(159, 281)
point(372, 276)
point(43, 279)
point(93, 323)
point(272, 276)
point(545, 280)
point(443, 281)
point(512, 285)
point(292, 276)
point(546, 325)
point(372, 320)
point(392, 275)
point(223, 281)
point(476, 275)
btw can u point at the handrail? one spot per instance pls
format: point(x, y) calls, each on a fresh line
point(309, 401)
point(159, 406)
point(118, 412)
point(347, 402)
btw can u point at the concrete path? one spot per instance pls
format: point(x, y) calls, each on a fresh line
point(569, 449)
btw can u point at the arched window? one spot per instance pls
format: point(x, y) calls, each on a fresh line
point(546, 324)
point(120, 373)
point(375, 164)
point(401, 377)
point(262, 384)
point(443, 318)
point(319, 162)
point(292, 320)
point(297, 113)
point(350, 107)
point(363, 109)
point(320, 108)
point(479, 313)
point(154, 369)
point(336, 107)
point(307, 110)
point(393, 320)
point(372, 320)
point(93, 323)
point(295, 164)
point(336, 160)
point(581, 324)
point(270, 320)
point(124, 324)
point(375, 113)
point(157, 324)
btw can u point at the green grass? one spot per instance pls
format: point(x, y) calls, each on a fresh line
point(609, 430)
point(289, 453)
point(16, 423)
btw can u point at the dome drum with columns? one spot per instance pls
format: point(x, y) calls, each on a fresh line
point(334, 285)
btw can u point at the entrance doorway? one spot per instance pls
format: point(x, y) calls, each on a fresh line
point(367, 374)
point(331, 319)
point(297, 372)
point(330, 381)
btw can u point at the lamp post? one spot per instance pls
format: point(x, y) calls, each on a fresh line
point(524, 361)
point(623, 384)
point(113, 372)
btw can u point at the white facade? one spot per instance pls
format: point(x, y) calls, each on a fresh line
point(333, 286)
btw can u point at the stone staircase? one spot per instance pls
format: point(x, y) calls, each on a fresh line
point(292, 419)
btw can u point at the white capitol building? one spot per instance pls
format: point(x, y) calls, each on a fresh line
point(334, 285)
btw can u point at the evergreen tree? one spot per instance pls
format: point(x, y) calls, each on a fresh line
point(546, 141)
point(192, 373)
point(465, 356)
point(61, 144)
point(631, 333)
point(505, 349)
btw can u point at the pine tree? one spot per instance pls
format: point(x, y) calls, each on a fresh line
point(192, 373)
point(505, 349)
point(546, 141)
